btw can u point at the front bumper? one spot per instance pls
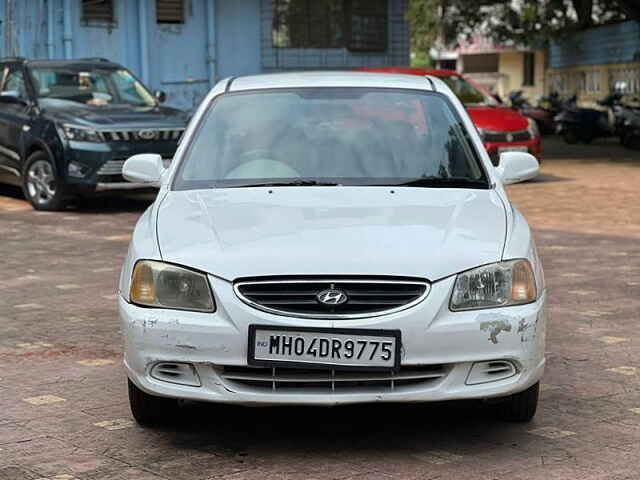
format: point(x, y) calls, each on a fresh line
point(102, 163)
point(432, 335)
point(533, 146)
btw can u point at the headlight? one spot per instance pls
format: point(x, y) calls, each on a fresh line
point(162, 285)
point(533, 129)
point(497, 285)
point(81, 134)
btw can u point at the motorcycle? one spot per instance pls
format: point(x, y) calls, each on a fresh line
point(577, 124)
point(628, 125)
point(544, 113)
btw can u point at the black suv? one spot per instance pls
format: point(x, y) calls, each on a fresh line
point(66, 127)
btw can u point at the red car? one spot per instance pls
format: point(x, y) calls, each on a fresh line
point(501, 128)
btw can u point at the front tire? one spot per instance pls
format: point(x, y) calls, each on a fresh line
point(570, 135)
point(150, 410)
point(520, 407)
point(41, 185)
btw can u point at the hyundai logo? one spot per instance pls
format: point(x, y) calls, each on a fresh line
point(147, 134)
point(332, 296)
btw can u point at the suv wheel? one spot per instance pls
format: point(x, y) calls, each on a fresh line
point(41, 185)
point(148, 409)
point(520, 407)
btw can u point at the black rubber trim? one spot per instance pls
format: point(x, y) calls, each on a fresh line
point(433, 86)
point(228, 86)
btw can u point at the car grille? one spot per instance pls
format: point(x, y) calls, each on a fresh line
point(142, 135)
point(298, 380)
point(518, 136)
point(114, 167)
point(364, 296)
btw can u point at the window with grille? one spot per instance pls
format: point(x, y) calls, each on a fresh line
point(359, 25)
point(170, 11)
point(529, 69)
point(367, 25)
point(98, 11)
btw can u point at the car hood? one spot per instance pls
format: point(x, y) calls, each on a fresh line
point(245, 232)
point(120, 116)
point(498, 119)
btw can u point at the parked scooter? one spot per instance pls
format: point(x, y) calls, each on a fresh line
point(577, 124)
point(544, 113)
point(628, 124)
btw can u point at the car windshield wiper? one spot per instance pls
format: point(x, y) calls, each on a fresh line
point(444, 182)
point(292, 183)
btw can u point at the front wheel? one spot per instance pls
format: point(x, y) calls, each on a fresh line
point(570, 135)
point(40, 184)
point(520, 407)
point(148, 409)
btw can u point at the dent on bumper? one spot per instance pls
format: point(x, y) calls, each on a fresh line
point(431, 335)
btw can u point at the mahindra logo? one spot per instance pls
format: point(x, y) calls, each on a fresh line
point(332, 296)
point(147, 134)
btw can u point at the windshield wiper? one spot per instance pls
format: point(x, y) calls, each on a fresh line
point(292, 183)
point(444, 182)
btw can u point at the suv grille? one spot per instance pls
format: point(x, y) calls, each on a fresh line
point(518, 136)
point(142, 135)
point(288, 380)
point(361, 297)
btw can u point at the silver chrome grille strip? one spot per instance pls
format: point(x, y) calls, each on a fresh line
point(114, 167)
point(238, 286)
point(142, 134)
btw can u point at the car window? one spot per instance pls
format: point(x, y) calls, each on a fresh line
point(14, 84)
point(352, 136)
point(99, 87)
point(466, 92)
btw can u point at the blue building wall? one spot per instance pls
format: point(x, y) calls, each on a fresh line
point(618, 43)
point(219, 38)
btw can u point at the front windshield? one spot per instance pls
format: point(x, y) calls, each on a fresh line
point(338, 136)
point(466, 92)
point(95, 86)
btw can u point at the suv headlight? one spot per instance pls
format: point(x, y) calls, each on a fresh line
point(162, 285)
point(496, 285)
point(533, 129)
point(81, 134)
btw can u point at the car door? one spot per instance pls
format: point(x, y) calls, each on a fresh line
point(15, 118)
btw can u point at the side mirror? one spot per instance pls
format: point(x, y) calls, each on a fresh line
point(515, 167)
point(143, 168)
point(160, 95)
point(11, 97)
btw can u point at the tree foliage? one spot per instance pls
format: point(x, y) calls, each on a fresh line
point(527, 22)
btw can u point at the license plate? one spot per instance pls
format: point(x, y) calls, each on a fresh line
point(322, 347)
point(513, 149)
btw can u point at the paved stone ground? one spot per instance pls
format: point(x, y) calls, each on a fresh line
point(64, 413)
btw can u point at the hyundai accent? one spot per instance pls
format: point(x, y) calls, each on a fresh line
point(329, 239)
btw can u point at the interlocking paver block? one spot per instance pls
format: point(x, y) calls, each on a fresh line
point(623, 370)
point(44, 399)
point(609, 340)
point(116, 424)
point(552, 433)
point(96, 362)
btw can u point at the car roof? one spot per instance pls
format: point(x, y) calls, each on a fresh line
point(76, 63)
point(328, 79)
point(413, 71)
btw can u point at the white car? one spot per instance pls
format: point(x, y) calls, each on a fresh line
point(328, 239)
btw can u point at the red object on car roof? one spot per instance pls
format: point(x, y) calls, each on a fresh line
point(502, 128)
